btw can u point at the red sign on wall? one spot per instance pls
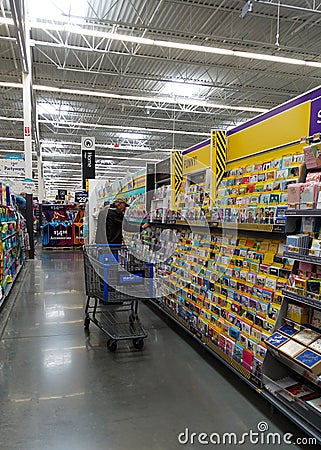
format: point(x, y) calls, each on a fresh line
point(27, 131)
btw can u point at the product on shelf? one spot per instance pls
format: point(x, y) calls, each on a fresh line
point(161, 204)
point(312, 156)
point(12, 245)
point(291, 348)
point(306, 336)
point(277, 340)
point(299, 314)
point(78, 226)
point(258, 194)
point(310, 360)
point(316, 345)
point(227, 289)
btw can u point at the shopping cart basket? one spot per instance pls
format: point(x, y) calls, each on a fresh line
point(115, 282)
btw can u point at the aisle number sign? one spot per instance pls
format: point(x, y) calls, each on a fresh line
point(197, 158)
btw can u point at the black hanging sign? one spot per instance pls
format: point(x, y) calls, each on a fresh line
point(88, 159)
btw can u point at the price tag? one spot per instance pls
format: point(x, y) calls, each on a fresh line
point(81, 196)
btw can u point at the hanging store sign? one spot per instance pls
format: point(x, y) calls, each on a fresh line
point(88, 159)
point(62, 194)
point(28, 186)
point(13, 166)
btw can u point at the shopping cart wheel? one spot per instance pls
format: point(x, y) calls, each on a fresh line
point(112, 345)
point(86, 323)
point(138, 343)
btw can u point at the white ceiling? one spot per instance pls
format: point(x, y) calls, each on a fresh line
point(145, 76)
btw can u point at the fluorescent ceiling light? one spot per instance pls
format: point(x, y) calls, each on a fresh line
point(165, 44)
point(11, 139)
point(131, 136)
point(67, 163)
point(169, 44)
point(181, 89)
point(159, 99)
point(77, 155)
point(12, 119)
point(60, 10)
point(52, 109)
point(64, 124)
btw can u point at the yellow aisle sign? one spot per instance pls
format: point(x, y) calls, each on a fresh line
point(218, 163)
point(275, 131)
point(197, 158)
point(176, 175)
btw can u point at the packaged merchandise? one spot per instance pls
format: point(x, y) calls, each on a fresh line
point(306, 336)
point(291, 348)
point(312, 156)
point(299, 314)
point(294, 195)
point(316, 319)
point(316, 346)
point(308, 195)
point(276, 340)
point(311, 360)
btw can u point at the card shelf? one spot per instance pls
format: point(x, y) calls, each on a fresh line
point(304, 258)
point(303, 212)
point(302, 299)
point(297, 410)
point(296, 367)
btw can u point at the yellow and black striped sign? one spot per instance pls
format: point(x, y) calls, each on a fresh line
point(218, 158)
point(177, 175)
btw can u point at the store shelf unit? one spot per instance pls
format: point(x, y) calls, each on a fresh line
point(12, 249)
point(10, 286)
point(297, 359)
point(208, 345)
point(275, 229)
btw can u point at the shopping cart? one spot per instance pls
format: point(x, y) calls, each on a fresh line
point(115, 282)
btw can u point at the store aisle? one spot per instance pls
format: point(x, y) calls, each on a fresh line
point(63, 390)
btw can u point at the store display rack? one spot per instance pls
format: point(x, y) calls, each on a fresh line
point(228, 280)
point(10, 285)
point(295, 358)
point(277, 229)
point(13, 246)
point(208, 344)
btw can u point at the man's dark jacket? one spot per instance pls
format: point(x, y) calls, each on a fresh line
point(110, 226)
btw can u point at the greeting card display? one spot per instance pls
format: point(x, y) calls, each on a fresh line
point(311, 360)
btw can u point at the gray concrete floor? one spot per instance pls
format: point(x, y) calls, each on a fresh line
point(62, 389)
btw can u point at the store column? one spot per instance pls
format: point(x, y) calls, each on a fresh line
point(27, 122)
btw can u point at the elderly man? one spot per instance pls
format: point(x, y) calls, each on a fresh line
point(110, 222)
